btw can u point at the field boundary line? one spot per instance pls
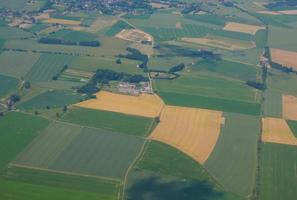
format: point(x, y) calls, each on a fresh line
point(63, 172)
point(141, 152)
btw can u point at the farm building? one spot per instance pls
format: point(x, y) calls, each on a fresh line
point(134, 89)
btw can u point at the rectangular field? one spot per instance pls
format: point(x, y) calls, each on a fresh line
point(235, 153)
point(277, 131)
point(17, 64)
point(278, 172)
point(72, 149)
point(14, 137)
point(47, 66)
point(8, 84)
point(84, 186)
point(134, 35)
point(192, 131)
point(145, 105)
point(283, 57)
point(62, 21)
point(244, 28)
point(289, 107)
point(272, 105)
point(112, 121)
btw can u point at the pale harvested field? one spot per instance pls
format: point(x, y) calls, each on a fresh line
point(62, 21)
point(191, 130)
point(228, 45)
point(243, 28)
point(289, 107)
point(277, 131)
point(159, 5)
point(178, 25)
point(145, 105)
point(134, 35)
point(284, 57)
point(282, 12)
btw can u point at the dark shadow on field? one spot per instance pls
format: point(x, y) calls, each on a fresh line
point(153, 188)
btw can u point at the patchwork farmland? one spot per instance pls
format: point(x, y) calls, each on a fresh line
point(145, 100)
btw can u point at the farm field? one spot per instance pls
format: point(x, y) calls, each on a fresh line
point(14, 137)
point(47, 66)
point(214, 115)
point(192, 131)
point(112, 121)
point(126, 104)
point(154, 170)
point(283, 57)
point(289, 107)
point(235, 152)
point(278, 171)
point(8, 84)
point(75, 145)
point(51, 99)
point(17, 64)
point(277, 131)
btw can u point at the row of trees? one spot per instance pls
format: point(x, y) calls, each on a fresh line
point(47, 40)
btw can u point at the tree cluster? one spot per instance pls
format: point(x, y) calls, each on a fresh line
point(48, 40)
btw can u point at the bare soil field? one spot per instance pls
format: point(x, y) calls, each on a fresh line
point(276, 130)
point(145, 105)
point(178, 25)
point(62, 21)
point(282, 12)
point(289, 107)
point(218, 43)
point(284, 57)
point(191, 130)
point(134, 35)
point(243, 28)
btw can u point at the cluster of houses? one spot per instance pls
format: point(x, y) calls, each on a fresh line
point(135, 89)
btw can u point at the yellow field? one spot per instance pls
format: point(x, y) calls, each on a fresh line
point(277, 131)
point(145, 105)
point(191, 130)
point(97, 25)
point(62, 21)
point(289, 107)
point(284, 57)
point(243, 28)
point(217, 43)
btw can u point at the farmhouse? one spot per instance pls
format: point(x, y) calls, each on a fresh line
point(135, 89)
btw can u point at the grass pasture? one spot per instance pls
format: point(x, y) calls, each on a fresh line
point(21, 4)
point(51, 98)
point(47, 66)
point(109, 120)
point(235, 153)
point(8, 84)
point(14, 33)
point(17, 131)
point(73, 36)
point(272, 105)
point(278, 172)
point(17, 64)
point(84, 151)
point(103, 189)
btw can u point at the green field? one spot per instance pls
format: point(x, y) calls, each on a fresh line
point(71, 148)
point(13, 190)
point(293, 126)
point(8, 84)
point(14, 33)
point(116, 28)
point(233, 161)
point(51, 98)
point(164, 172)
point(85, 63)
point(109, 120)
point(210, 103)
point(272, 104)
point(283, 38)
point(47, 66)
point(21, 5)
point(227, 68)
point(17, 131)
point(109, 47)
point(278, 172)
point(17, 64)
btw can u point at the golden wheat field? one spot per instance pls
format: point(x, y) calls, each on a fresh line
point(243, 28)
point(277, 131)
point(284, 57)
point(62, 21)
point(191, 130)
point(289, 107)
point(146, 105)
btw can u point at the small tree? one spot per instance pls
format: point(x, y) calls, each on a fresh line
point(58, 115)
point(65, 108)
point(27, 85)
